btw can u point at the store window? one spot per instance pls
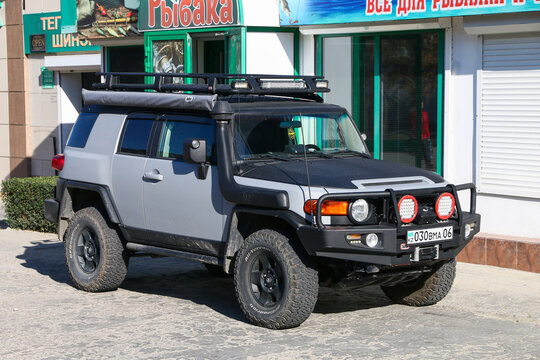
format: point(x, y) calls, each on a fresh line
point(395, 91)
point(126, 59)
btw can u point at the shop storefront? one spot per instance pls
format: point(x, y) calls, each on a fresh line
point(449, 86)
point(227, 36)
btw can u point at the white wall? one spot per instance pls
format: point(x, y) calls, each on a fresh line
point(270, 53)
point(261, 12)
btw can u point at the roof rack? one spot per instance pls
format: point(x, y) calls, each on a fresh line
point(305, 87)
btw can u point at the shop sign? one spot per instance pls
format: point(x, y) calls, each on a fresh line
point(110, 19)
point(318, 12)
point(180, 14)
point(38, 43)
point(42, 34)
point(47, 78)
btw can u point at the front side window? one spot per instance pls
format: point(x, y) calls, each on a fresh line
point(174, 132)
point(324, 135)
point(136, 136)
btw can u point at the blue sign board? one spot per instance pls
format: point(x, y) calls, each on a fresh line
point(318, 12)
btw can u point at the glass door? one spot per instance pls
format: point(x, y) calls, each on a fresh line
point(396, 91)
point(233, 51)
point(408, 100)
point(167, 54)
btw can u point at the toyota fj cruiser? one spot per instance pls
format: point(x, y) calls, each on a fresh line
point(256, 176)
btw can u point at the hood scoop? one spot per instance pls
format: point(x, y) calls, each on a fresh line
point(400, 183)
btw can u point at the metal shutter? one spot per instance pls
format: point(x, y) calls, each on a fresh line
point(510, 116)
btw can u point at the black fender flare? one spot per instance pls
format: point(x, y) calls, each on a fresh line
point(63, 187)
point(235, 239)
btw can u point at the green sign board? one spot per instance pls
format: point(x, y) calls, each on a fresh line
point(171, 14)
point(47, 78)
point(49, 24)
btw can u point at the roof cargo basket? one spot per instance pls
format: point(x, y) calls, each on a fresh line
point(305, 87)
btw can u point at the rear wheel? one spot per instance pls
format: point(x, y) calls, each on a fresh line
point(95, 255)
point(428, 289)
point(275, 286)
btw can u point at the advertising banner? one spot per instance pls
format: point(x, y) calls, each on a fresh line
point(101, 19)
point(182, 14)
point(42, 34)
point(318, 12)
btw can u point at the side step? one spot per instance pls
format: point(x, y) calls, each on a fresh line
point(174, 253)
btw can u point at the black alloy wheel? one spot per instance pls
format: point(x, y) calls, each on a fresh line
point(267, 281)
point(87, 250)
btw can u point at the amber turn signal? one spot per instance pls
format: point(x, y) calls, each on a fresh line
point(328, 207)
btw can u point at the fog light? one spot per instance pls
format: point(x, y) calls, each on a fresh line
point(372, 240)
point(469, 228)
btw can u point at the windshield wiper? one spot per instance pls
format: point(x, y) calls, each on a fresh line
point(269, 156)
point(367, 156)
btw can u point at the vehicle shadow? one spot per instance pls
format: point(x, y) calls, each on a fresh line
point(190, 280)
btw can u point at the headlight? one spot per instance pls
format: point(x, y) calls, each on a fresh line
point(359, 210)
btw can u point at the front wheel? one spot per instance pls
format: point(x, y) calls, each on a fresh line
point(428, 289)
point(95, 256)
point(276, 287)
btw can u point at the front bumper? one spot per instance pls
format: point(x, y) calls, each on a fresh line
point(331, 242)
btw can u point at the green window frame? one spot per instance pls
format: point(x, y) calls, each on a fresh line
point(356, 89)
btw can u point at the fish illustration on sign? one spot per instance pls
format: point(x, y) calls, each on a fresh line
point(285, 8)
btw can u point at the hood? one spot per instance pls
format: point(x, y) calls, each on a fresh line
point(333, 173)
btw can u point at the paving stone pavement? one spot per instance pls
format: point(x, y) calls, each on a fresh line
point(174, 309)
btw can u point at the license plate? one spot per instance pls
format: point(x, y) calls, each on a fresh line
point(429, 235)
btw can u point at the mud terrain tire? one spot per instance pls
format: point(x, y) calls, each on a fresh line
point(95, 256)
point(275, 285)
point(428, 289)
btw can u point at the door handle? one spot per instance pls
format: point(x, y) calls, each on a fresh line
point(153, 175)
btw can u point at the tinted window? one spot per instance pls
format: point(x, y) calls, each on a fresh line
point(136, 135)
point(174, 133)
point(81, 130)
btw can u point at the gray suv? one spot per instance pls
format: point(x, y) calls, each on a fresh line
point(255, 176)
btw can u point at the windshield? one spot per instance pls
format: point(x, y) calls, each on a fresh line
point(284, 136)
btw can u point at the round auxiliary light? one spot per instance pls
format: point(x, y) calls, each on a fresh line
point(372, 240)
point(444, 207)
point(408, 208)
point(359, 210)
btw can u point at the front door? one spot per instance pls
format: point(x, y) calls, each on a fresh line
point(182, 211)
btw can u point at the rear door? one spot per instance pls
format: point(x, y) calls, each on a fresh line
point(127, 171)
point(182, 211)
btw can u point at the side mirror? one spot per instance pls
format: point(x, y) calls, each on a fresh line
point(194, 151)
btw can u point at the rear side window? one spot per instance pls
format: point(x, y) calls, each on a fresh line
point(81, 130)
point(136, 136)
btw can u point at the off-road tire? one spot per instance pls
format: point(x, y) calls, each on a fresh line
point(296, 278)
point(110, 267)
point(429, 289)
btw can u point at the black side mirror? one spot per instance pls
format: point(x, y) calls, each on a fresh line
point(194, 151)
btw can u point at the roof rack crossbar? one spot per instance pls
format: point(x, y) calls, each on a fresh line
point(305, 86)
